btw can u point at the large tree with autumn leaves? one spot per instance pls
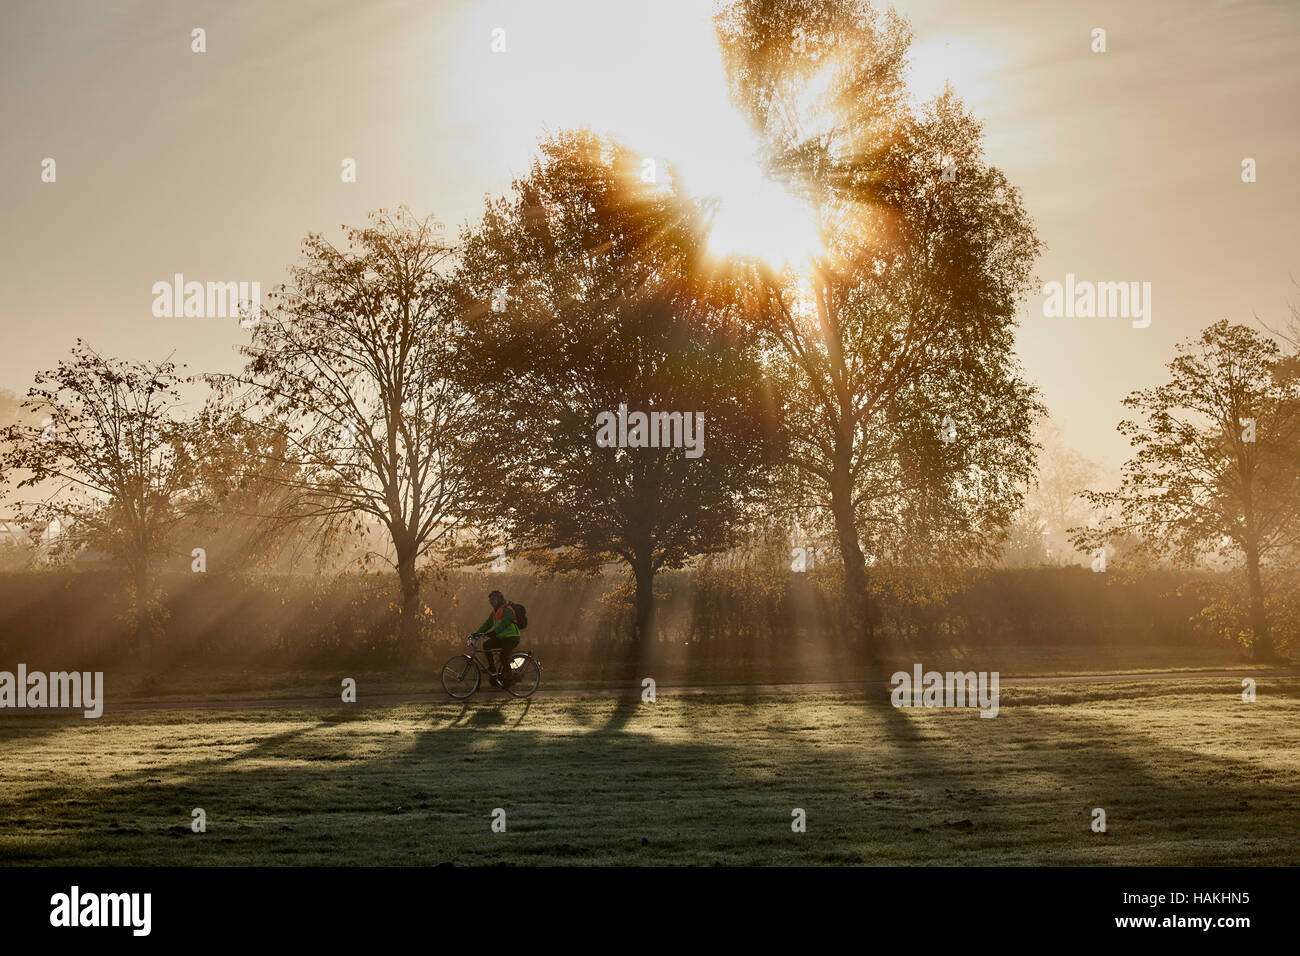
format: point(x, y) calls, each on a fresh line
point(909, 420)
point(601, 300)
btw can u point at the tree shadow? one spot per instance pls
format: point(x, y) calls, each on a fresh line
point(354, 795)
point(880, 785)
point(1058, 764)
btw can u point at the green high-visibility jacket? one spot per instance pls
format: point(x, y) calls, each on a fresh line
point(501, 623)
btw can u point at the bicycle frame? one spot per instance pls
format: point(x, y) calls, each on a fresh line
point(479, 657)
point(484, 665)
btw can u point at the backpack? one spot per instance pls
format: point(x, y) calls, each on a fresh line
point(521, 615)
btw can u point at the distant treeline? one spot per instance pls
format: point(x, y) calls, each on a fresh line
point(82, 619)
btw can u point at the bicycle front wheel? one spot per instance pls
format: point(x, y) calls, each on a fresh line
point(525, 675)
point(460, 676)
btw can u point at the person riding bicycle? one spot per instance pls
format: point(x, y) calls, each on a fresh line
point(505, 636)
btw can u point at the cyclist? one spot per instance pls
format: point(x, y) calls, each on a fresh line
point(505, 636)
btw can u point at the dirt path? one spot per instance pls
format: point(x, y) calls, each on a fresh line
point(666, 690)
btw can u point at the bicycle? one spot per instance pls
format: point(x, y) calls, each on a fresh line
point(462, 674)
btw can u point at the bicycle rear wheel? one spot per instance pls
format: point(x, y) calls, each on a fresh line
point(525, 675)
point(460, 676)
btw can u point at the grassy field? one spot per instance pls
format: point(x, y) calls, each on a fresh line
point(1187, 774)
point(672, 665)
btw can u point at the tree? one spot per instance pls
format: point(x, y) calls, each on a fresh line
point(114, 457)
point(355, 359)
point(12, 412)
point(910, 422)
point(600, 309)
point(246, 482)
point(1054, 505)
point(1216, 471)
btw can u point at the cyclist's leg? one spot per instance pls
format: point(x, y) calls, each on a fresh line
point(509, 648)
point(491, 644)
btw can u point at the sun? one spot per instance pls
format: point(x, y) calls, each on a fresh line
point(757, 218)
point(753, 216)
point(716, 156)
point(682, 117)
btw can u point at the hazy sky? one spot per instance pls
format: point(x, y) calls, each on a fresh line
point(215, 165)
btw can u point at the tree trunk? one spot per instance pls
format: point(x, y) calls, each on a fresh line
point(855, 566)
point(143, 615)
point(1261, 643)
point(408, 626)
point(643, 626)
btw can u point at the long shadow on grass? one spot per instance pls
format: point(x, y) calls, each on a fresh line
point(1172, 803)
point(1021, 787)
point(412, 786)
point(338, 789)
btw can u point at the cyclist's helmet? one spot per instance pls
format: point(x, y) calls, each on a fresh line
point(492, 594)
